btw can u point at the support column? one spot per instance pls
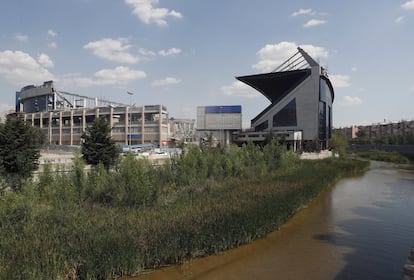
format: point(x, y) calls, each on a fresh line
point(143, 125)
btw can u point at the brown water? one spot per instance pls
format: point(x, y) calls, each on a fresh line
point(362, 229)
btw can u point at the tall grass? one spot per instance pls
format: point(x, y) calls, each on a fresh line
point(104, 224)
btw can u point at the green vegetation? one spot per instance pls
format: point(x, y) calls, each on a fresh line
point(338, 143)
point(405, 139)
point(19, 151)
point(98, 147)
point(112, 222)
point(382, 156)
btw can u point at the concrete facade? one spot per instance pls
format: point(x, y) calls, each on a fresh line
point(301, 97)
point(63, 117)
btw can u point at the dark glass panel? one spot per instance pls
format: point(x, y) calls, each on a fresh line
point(286, 116)
point(263, 126)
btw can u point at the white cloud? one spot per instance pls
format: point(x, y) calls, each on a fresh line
point(165, 82)
point(52, 45)
point(239, 89)
point(21, 38)
point(20, 69)
point(119, 76)
point(171, 51)
point(409, 5)
point(302, 12)
point(314, 22)
point(45, 61)
point(145, 52)
point(271, 56)
point(145, 11)
point(340, 81)
point(112, 50)
point(399, 19)
point(354, 69)
point(351, 101)
point(51, 33)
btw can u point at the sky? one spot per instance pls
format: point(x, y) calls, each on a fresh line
point(187, 53)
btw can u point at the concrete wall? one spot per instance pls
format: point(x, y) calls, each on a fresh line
point(307, 106)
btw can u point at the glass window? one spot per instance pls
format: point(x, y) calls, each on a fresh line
point(286, 116)
point(263, 126)
point(322, 121)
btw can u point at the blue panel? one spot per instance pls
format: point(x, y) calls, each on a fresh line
point(222, 109)
point(135, 136)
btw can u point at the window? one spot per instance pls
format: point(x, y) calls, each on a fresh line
point(286, 116)
point(263, 126)
point(322, 121)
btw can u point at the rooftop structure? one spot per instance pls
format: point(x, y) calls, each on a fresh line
point(301, 97)
point(63, 116)
point(219, 121)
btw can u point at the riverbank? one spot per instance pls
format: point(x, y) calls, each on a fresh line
point(56, 229)
point(246, 210)
point(361, 228)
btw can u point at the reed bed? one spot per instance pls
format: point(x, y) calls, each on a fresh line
point(106, 224)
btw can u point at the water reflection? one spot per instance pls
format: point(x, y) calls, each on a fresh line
point(362, 229)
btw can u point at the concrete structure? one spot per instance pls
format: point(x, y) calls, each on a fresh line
point(182, 130)
point(219, 121)
point(375, 132)
point(63, 116)
point(301, 97)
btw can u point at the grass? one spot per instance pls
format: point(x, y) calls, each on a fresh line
point(379, 155)
point(85, 226)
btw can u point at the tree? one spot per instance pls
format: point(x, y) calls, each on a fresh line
point(19, 150)
point(98, 147)
point(338, 143)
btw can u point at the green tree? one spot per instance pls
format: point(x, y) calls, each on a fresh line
point(19, 150)
point(98, 146)
point(338, 143)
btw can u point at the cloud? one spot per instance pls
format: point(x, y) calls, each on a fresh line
point(340, 81)
point(171, 51)
point(271, 56)
point(165, 82)
point(112, 50)
point(45, 61)
point(118, 76)
point(351, 101)
point(302, 12)
point(399, 19)
point(21, 38)
point(52, 45)
point(146, 52)
point(51, 33)
point(239, 89)
point(20, 69)
point(409, 5)
point(314, 22)
point(145, 11)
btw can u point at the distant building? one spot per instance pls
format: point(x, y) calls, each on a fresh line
point(219, 122)
point(350, 132)
point(64, 116)
point(377, 131)
point(182, 130)
point(301, 97)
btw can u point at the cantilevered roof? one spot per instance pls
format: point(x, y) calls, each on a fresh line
point(275, 85)
point(278, 83)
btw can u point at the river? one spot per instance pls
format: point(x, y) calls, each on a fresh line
point(361, 229)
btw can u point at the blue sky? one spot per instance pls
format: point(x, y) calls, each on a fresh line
point(185, 54)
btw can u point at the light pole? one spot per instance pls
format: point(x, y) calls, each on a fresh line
point(130, 116)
